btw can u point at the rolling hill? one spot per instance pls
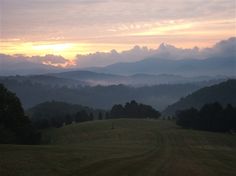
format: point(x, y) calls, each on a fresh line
point(132, 147)
point(223, 93)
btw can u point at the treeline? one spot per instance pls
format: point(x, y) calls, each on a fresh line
point(224, 93)
point(61, 120)
point(15, 126)
point(211, 117)
point(133, 110)
point(57, 114)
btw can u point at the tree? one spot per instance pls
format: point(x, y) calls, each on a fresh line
point(77, 117)
point(230, 115)
point(117, 111)
point(107, 115)
point(91, 117)
point(211, 117)
point(187, 118)
point(15, 127)
point(68, 119)
point(100, 116)
point(134, 110)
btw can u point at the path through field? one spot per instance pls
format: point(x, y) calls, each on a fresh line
point(132, 148)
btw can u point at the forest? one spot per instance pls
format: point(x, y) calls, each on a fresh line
point(211, 117)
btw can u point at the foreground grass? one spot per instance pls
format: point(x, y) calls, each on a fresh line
point(132, 148)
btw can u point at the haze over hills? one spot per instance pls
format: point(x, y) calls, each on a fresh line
point(223, 93)
point(181, 70)
point(137, 80)
point(102, 97)
point(44, 80)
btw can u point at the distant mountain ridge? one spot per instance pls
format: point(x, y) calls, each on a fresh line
point(218, 60)
point(167, 59)
point(210, 67)
point(223, 93)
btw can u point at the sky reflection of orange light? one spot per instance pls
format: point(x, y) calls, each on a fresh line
point(69, 28)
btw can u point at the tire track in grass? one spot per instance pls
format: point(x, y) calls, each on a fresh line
point(123, 166)
point(173, 156)
point(175, 153)
point(186, 161)
point(216, 155)
point(152, 163)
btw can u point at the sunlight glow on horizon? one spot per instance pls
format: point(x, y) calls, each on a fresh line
point(67, 28)
point(70, 50)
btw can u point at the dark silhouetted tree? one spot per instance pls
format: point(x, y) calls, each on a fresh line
point(91, 116)
point(107, 115)
point(211, 117)
point(134, 110)
point(15, 127)
point(100, 116)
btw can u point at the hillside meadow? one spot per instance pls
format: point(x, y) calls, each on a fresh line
point(123, 148)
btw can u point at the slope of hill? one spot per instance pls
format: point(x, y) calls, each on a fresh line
point(132, 147)
point(224, 93)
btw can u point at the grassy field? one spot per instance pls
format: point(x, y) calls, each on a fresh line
point(132, 148)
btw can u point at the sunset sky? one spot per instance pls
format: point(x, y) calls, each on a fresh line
point(71, 27)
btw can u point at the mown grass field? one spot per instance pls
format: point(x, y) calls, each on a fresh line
point(132, 148)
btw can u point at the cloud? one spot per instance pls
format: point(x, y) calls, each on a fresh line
point(53, 60)
point(107, 58)
point(222, 49)
point(50, 60)
point(164, 51)
point(88, 19)
point(137, 53)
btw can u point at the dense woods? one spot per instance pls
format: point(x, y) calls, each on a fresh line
point(224, 93)
point(211, 117)
point(134, 110)
point(15, 126)
point(57, 114)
